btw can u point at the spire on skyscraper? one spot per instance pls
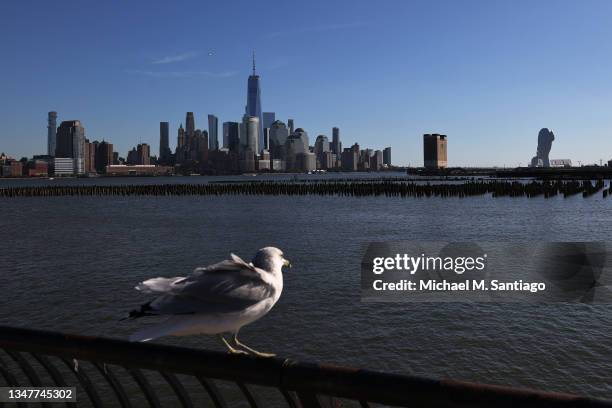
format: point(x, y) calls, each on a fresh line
point(253, 62)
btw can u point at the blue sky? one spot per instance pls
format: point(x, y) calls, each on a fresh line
point(488, 73)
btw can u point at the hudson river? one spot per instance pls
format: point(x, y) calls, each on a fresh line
point(70, 264)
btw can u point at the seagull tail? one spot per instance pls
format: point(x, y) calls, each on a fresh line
point(151, 333)
point(168, 328)
point(143, 335)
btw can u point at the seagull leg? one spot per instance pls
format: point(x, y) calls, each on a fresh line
point(230, 348)
point(244, 346)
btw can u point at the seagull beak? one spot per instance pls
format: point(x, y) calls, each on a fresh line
point(286, 263)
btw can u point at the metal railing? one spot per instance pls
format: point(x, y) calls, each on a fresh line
point(110, 372)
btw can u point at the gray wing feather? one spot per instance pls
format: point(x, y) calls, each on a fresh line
point(228, 286)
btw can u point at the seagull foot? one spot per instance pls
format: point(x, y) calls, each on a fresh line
point(250, 350)
point(264, 355)
point(230, 349)
point(236, 351)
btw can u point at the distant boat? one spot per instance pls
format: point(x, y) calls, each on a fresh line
point(51, 178)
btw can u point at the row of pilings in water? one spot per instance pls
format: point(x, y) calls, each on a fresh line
point(346, 189)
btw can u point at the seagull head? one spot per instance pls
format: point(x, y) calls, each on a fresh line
point(270, 259)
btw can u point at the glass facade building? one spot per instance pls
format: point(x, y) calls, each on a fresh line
point(253, 106)
point(213, 132)
point(51, 132)
point(164, 142)
point(70, 143)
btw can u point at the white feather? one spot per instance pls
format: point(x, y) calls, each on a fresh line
point(157, 285)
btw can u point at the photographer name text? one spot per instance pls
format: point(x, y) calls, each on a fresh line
point(444, 285)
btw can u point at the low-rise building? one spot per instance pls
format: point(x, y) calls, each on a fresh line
point(138, 170)
point(38, 168)
point(277, 165)
point(63, 166)
point(12, 168)
point(263, 164)
point(560, 163)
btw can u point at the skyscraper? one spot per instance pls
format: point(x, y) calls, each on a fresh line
point(70, 143)
point(104, 156)
point(231, 132)
point(180, 139)
point(266, 145)
point(253, 106)
point(434, 151)
point(225, 135)
point(243, 133)
point(336, 146)
point(297, 153)
point(181, 146)
point(51, 132)
point(290, 126)
point(251, 125)
point(350, 158)
point(139, 155)
point(387, 156)
point(268, 119)
point(278, 136)
point(90, 156)
point(213, 132)
point(376, 162)
point(164, 146)
point(144, 154)
point(321, 145)
point(189, 126)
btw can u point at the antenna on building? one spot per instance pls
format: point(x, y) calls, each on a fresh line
point(253, 62)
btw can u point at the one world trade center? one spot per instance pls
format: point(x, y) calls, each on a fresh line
point(253, 106)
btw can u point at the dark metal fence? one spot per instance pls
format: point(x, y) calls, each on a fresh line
point(103, 369)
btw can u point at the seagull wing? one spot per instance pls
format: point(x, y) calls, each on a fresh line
point(228, 286)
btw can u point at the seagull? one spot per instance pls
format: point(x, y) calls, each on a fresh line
point(216, 299)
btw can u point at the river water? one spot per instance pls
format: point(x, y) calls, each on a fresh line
point(70, 264)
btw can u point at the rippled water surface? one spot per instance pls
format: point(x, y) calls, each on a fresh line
point(70, 264)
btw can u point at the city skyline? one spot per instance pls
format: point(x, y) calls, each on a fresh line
point(246, 148)
point(490, 79)
point(253, 111)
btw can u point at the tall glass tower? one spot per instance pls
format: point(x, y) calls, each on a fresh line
point(213, 131)
point(51, 133)
point(164, 146)
point(253, 106)
point(189, 125)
